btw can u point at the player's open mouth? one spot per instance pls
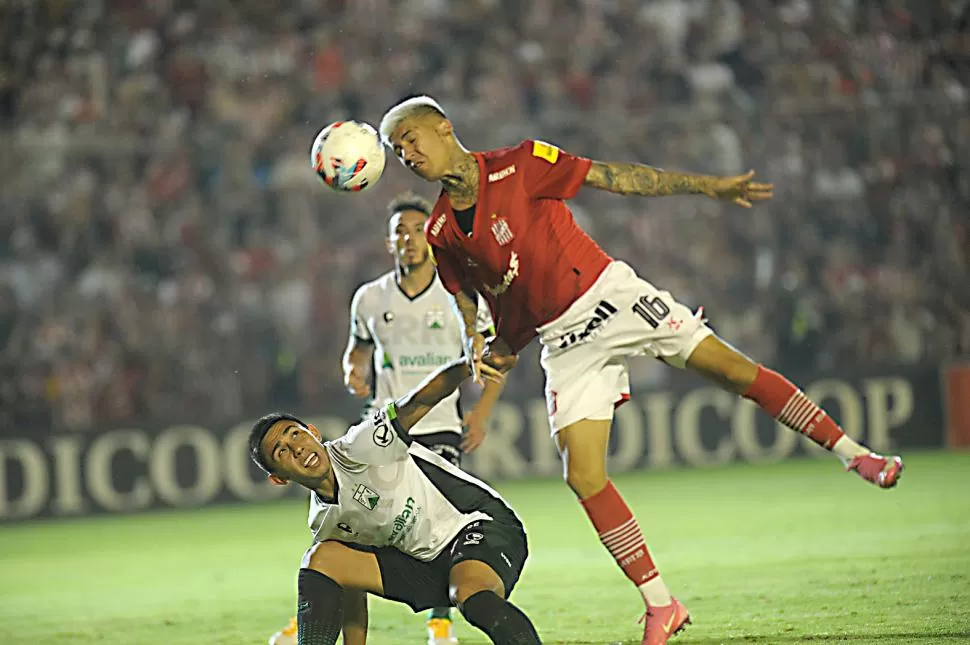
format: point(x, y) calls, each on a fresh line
point(311, 460)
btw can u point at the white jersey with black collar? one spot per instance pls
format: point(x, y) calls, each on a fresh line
point(393, 492)
point(412, 337)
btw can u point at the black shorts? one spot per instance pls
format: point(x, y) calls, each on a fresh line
point(445, 444)
point(501, 544)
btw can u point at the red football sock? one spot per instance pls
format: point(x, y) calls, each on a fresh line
point(783, 401)
point(620, 533)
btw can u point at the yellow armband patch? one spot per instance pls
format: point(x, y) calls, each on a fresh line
point(545, 151)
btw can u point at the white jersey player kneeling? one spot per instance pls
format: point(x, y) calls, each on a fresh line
point(391, 518)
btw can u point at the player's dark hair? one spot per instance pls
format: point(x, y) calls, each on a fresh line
point(256, 435)
point(408, 202)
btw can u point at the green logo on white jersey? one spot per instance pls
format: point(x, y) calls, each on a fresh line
point(366, 497)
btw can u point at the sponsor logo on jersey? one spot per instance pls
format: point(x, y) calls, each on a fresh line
point(501, 230)
point(426, 360)
point(603, 312)
point(404, 521)
point(366, 497)
point(435, 318)
point(343, 526)
point(499, 175)
point(508, 278)
point(438, 223)
point(383, 435)
point(388, 317)
point(544, 151)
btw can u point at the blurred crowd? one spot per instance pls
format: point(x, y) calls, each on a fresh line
point(165, 251)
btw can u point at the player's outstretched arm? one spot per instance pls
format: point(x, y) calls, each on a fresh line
point(440, 384)
point(437, 386)
point(355, 617)
point(647, 181)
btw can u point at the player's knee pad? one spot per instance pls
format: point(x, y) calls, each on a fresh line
point(320, 608)
point(504, 623)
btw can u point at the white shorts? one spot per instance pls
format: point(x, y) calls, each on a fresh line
point(584, 351)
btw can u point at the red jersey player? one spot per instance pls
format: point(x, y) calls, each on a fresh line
point(501, 227)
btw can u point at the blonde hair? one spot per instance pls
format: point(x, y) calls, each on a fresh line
point(414, 106)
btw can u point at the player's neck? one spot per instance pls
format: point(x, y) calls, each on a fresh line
point(327, 489)
point(461, 182)
point(414, 280)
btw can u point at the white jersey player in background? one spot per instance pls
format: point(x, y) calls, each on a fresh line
point(403, 328)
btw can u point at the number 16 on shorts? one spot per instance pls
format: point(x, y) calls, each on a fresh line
point(652, 310)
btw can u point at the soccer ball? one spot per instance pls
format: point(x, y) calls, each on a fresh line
point(348, 156)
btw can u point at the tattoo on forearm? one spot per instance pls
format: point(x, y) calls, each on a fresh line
point(468, 310)
point(638, 179)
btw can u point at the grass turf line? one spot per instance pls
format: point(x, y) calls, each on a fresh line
point(797, 552)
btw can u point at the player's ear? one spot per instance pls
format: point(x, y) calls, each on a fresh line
point(445, 128)
point(313, 430)
point(279, 481)
point(391, 246)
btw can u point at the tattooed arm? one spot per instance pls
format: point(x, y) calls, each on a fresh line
point(639, 179)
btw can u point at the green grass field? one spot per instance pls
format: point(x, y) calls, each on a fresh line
point(790, 553)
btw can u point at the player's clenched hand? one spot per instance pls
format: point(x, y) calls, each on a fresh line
point(356, 383)
point(497, 360)
point(739, 189)
point(499, 355)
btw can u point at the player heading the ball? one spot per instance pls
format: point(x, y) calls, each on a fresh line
point(501, 227)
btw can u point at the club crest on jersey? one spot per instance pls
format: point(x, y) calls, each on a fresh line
point(501, 230)
point(366, 497)
point(435, 318)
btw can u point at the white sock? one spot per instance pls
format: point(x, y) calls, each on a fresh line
point(655, 592)
point(846, 449)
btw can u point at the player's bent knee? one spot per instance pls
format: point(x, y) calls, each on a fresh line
point(586, 482)
point(583, 445)
point(332, 559)
point(469, 577)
